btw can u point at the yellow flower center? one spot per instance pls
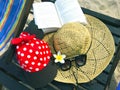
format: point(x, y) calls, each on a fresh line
point(59, 57)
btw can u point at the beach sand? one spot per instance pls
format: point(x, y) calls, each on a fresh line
point(107, 7)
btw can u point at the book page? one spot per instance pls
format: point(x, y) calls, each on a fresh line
point(48, 30)
point(70, 11)
point(45, 15)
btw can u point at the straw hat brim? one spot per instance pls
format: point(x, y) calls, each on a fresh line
point(98, 57)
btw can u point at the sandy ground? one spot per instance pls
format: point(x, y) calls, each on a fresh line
point(108, 7)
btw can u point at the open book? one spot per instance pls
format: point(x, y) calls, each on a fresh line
point(51, 16)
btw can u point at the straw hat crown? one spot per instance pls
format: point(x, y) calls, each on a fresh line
point(72, 39)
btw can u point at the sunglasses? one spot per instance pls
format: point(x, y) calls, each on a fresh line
point(79, 61)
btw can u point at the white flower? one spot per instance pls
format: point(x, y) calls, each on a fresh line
point(59, 57)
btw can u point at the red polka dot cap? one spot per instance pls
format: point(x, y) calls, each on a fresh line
point(33, 54)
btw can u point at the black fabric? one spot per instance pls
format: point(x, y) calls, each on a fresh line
point(45, 76)
point(33, 29)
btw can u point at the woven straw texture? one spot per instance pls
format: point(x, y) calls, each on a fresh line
point(99, 54)
point(72, 39)
point(49, 39)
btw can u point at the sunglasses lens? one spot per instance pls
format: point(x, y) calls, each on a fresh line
point(66, 66)
point(80, 60)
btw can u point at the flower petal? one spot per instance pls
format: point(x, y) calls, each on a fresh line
point(59, 57)
point(64, 56)
point(54, 55)
point(56, 61)
point(62, 61)
point(59, 53)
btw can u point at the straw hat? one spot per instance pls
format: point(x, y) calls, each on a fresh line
point(97, 43)
point(72, 39)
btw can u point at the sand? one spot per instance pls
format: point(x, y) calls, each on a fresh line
point(107, 7)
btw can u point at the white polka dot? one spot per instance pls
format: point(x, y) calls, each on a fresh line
point(41, 41)
point(37, 42)
point(29, 71)
point(22, 54)
point(41, 53)
point(24, 34)
point(27, 44)
point(39, 64)
point(41, 59)
point(46, 46)
point(17, 47)
point(44, 58)
point(20, 36)
point(28, 56)
point(46, 52)
point(24, 49)
point(48, 57)
point(34, 38)
point(26, 62)
point(30, 68)
point(37, 52)
point(18, 52)
point(37, 69)
point(23, 65)
point(39, 47)
point(44, 65)
point(30, 50)
point(32, 44)
point(33, 63)
point(35, 58)
point(43, 47)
